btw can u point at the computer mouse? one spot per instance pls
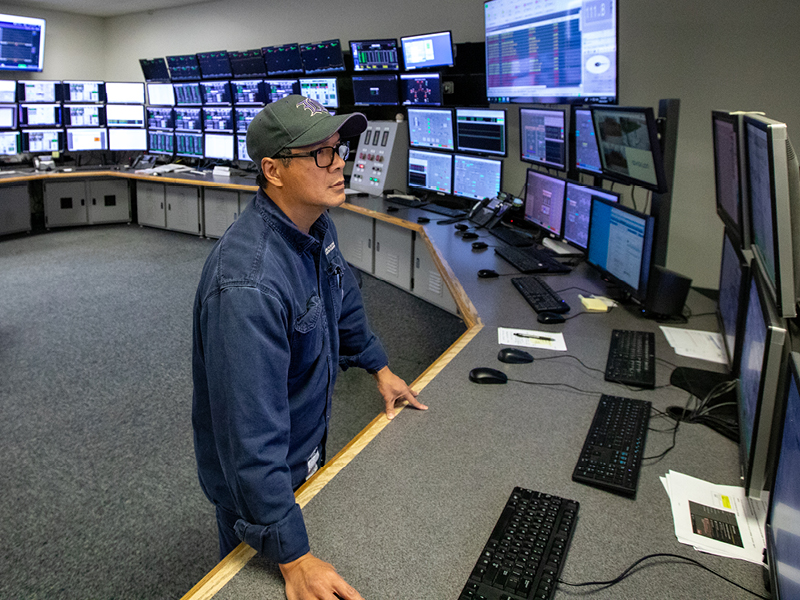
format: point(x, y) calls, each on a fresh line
point(514, 356)
point(479, 245)
point(550, 317)
point(487, 273)
point(392, 209)
point(423, 220)
point(487, 375)
point(469, 235)
point(462, 227)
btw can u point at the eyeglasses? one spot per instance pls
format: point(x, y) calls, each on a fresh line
point(324, 156)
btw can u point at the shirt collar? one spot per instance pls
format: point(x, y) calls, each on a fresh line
point(277, 219)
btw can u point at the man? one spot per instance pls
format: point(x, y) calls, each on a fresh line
point(277, 311)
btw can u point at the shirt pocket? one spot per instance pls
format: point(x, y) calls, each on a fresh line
point(336, 276)
point(307, 337)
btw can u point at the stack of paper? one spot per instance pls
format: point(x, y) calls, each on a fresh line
point(704, 345)
point(717, 519)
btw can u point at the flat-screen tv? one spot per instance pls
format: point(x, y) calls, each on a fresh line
point(428, 50)
point(543, 137)
point(22, 47)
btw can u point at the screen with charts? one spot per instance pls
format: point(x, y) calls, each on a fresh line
point(39, 91)
point(189, 145)
point(154, 69)
point(431, 128)
point(125, 115)
point(183, 67)
point(481, 130)
point(587, 156)
point(22, 47)
point(248, 63)
point(578, 211)
point(322, 90)
point(249, 91)
point(420, 89)
point(241, 148)
point(160, 117)
point(188, 119)
point(280, 88)
point(542, 135)
point(9, 143)
point(283, 60)
point(218, 119)
point(39, 115)
point(187, 94)
point(322, 57)
point(161, 142)
point(85, 115)
point(375, 55)
point(214, 64)
point(544, 201)
point(43, 140)
point(84, 91)
point(243, 117)
point(428, 50)
point(476, 178)
point(79, 140)
point(216, 92)
point(432, 171)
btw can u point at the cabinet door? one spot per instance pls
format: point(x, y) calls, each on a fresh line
point(183, 209)
point(65, 203)
point(244, 200)
point(355, 238)
point(428, 282)
point(220, 209)
point(109, 201)
point(150, 204)
point(393, 248)
point(15, 209)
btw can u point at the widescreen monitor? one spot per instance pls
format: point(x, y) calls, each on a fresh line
point(760, 373)
point(219, 119)
point(553, 52)
point(431, 128)
point(587, 156)
point(183, 67)
point(430, 171)
point(125, 115)
point(620, 245)
point(39, 91)
point(283, 60)
point(85, 115)
point(42, 141)
point(578, 211)
point(249, 92)
point(243, 116)
point(10, 143)
point(160, 94)
point(160, 117)
point(543, 137)
point(214, 65)
point(127, 139)
point(189, 144)
point(322, 57)
point(630, 151)
point(85, 140)
point(219, 146)
point(734, 284)
point(216, 92)
point(188, 119)
point(8, 116)
point(22, 47)
point(375, 55)
point(247, 63)
point(124, 92)
point(280, 88)
point(84, 91)
point(241, 148)
point(187, 94)
point(421, 89)
point(8, 90)
point(160, 142)
point(476, 178)
point(323, 90)
point(375, 90)
point(544, 201)
point(39, 115)
point(154, 69)
point(481, 130)
point(428, 50)
point(773, 182)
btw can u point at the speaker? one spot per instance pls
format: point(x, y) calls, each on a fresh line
point(666, 293)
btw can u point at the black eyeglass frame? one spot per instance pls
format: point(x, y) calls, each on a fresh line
point(337, 149)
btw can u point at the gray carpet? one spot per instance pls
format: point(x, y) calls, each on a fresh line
point(98, 490)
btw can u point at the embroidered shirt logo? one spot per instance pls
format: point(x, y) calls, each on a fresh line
point(330, 248)
point(314, 107)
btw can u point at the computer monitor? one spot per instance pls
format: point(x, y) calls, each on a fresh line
point(216, 92)
point(283, 60)
point(428, 50)
point(321, 89)
point(8, 90)
point(773, 182)
point(39, 141)
point(476, 178)
point(160, 94)
point(189, 144)
point(375, 90)
point(8, 116)
point(127, 139)
point(247, 64)
point(544, 201)
point(183, 68)
point(187, 94)
point(39, 115)
point(430, 171)
point(421, 89)
point(154, 69)
point(551, 52)
point(241, 148)
point(160, 142)
point(249, 92)
point(280, 88)
point(243, 116)
point(214, 65)
point(125, 115)
point(188, 119)
point(783, 516)
point(85, 115)
point(23, 43)
point(620, 245)
point(85, 140)
point(543, 137)
point(10, 143)
point(734, 285)
point(124, 92)
point(431, 128)
point(587, 155)
point(84, 91)
point(375, 55)
point(578, 211)
point(219, 146)
point(160, 117)
point(219, 119)
point(630, 151)
point(481, 130)
point(39, 91)
point(760, 377)
point(322, 57)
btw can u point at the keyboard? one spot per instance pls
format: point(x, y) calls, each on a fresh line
point(539, 295)
point(443, 210)
point(511, 237)
point(530, 260)
point(403, 201)
point(632, 358)
point(526, 550)
point(612, 453)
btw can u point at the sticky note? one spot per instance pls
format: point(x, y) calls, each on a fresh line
point(726, 502)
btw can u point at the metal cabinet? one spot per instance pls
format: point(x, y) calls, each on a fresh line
point(150, 204)
point(393, 254)
point(220, 209)
point(356, 233)
point(86, 202)
point(183, 209)
point(428, 282)
point(15, 209)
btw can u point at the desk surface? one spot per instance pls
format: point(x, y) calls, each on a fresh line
point(408, 516)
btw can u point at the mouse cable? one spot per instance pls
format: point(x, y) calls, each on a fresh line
point(585, 366)
point(632, 569)
point(566, 385)
point(666, 362)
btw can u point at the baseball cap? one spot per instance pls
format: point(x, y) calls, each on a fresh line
point(296, 121)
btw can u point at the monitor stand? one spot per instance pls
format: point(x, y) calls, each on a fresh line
point(699, 383)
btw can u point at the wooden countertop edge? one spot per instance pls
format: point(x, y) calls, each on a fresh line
point(128, 175)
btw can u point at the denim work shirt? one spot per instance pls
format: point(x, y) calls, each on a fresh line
point(276, 313)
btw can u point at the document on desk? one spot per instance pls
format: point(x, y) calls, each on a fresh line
point(705, 345)
point(716, 519)
point(529, 338)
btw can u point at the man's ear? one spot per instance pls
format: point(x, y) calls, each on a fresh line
point(270, 167)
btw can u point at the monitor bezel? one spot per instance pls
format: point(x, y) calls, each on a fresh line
point(590, 187)
point(405, 39)
point(503, 153)
point(437, 109)
point(492, 159)
point(544, 163)
point(435, 153)
point(35, 22)
point(554, 234)
point(356, 68)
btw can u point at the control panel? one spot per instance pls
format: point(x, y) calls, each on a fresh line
point(381, 159)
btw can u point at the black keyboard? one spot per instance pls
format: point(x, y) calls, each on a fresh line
point(612, 453)
point(410, 203)
point(526, 551)
point(443, 210)
point(511, 237)
point(530, 260)
point(539, 295)
point(632, 358)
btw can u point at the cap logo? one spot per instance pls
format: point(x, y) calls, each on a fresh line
point(314, 107)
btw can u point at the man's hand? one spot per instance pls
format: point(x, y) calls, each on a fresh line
point(395, 391)
point(309, 578)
